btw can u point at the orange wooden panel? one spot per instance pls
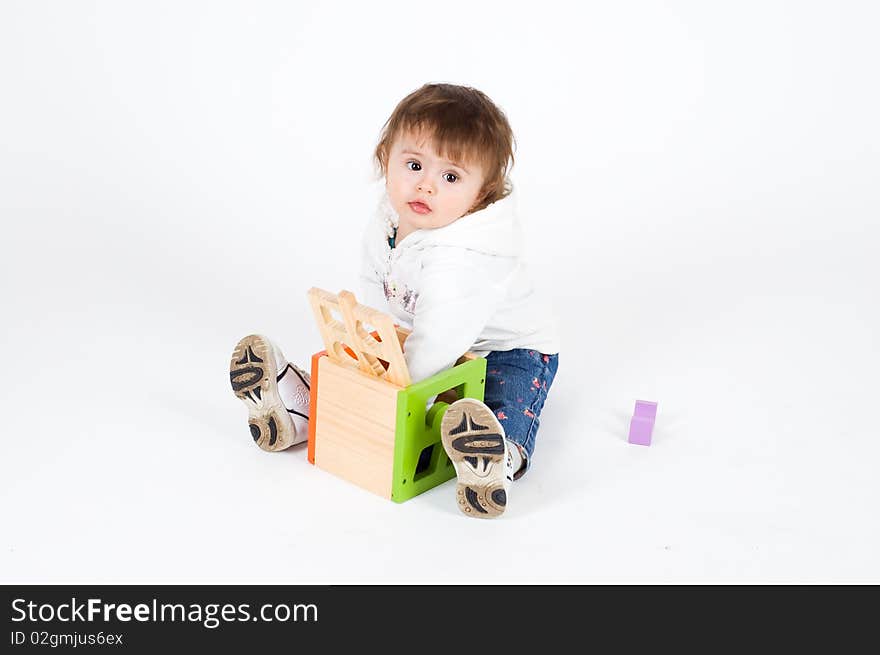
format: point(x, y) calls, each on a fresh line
point(313, 404)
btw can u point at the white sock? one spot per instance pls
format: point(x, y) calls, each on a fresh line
point(516, 457)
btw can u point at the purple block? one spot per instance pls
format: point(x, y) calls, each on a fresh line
point(642, 424)
point(640, 431)
point(646, 409)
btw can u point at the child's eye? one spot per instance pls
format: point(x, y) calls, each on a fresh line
point(413, 165)
point(454, 177)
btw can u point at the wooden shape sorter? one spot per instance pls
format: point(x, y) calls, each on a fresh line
point(368, 423)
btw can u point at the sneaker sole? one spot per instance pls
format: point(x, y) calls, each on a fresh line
point(252, 373)
point(474, 440)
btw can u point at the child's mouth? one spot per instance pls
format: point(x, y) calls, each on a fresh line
point(419, 207)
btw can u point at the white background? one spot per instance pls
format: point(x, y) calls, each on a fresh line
point(699, 185)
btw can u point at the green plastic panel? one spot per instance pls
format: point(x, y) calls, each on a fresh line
point(418, 428)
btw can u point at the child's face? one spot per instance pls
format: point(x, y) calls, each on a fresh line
point(426, 191)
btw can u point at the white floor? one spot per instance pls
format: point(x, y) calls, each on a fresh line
point(704, 216)
point(126, 458)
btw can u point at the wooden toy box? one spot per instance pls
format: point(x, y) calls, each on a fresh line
point(368, 423)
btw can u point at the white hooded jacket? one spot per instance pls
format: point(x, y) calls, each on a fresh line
point(458, 288)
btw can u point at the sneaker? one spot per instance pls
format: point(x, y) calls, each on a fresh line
point(294, 387)
point(474, 440)
point(253, 372)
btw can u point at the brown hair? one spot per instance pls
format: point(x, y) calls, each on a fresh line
point(464, 124)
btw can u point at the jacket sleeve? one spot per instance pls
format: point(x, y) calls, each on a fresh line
point(457, 297)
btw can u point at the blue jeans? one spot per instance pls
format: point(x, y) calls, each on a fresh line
point(517, 382)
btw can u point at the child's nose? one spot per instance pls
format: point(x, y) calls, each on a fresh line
point(425, 186)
